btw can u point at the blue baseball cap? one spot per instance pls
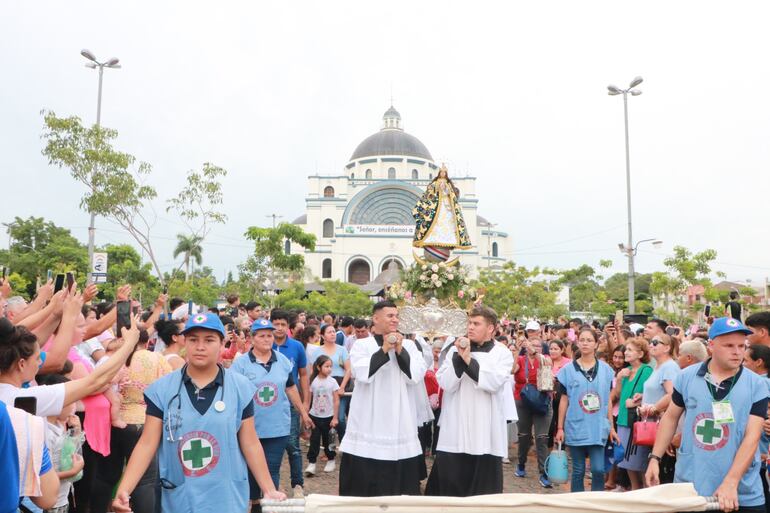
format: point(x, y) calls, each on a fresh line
point(206, 321)
point(725, 325)
point(261, 324)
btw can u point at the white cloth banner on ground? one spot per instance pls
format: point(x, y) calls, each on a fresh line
point(659, 499)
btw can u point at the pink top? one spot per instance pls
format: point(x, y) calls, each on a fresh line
point(97, 423)
point(556, 367)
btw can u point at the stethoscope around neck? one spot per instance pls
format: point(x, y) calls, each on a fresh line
point(173, 419)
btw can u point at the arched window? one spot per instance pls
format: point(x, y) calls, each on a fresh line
point(352, 176)
point(287, 247)
point(392, 173)
point(328, 229)
point(387, 263)
point(328, 191)
point(326, 268)
point(415, 174)
point(368, 174)
point(430, 176)
point(359, 272)
point(494, 249)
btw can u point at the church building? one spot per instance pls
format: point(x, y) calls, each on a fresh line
point(362, 218)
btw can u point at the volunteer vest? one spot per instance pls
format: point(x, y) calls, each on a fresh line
point(708, 449)
point(583, 425)
point(203, 470)
point(272, 416)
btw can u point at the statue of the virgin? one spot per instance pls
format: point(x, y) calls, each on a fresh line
point(439, 224)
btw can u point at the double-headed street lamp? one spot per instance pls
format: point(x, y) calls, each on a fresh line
point(630, 252)
point(94, 64)
point(630, 248)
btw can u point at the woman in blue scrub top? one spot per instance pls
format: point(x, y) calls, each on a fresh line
point(585, 419)
point(270, 374)
point(199, 421)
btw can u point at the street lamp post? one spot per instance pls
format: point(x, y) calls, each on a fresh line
point(489, 243)
point(630, 252)
point(613, 91)
point(93, 64)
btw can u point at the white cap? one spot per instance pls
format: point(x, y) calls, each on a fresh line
point(636, 328)
point(532, 326)
point(181, 312)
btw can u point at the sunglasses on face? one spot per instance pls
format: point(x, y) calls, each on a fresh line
point(656, 342)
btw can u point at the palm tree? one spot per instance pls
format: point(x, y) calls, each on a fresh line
point(192, 249)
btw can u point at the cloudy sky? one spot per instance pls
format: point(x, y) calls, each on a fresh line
point(513, 93)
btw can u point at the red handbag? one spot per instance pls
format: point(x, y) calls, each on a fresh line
point(645, 432)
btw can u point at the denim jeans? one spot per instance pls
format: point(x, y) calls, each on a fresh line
point(342, 416)
point(294, 452)
point(578, 455)
point(273, 449)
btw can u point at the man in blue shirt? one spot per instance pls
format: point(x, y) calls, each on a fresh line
point(724, 408)
point(295, 352)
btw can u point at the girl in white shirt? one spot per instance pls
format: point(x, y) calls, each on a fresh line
point(323, 411)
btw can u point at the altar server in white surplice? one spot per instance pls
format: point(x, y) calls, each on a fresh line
point(381, 453)
point(473, 438)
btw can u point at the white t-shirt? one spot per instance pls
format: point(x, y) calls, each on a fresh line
point(50, 398)
point(322, 391)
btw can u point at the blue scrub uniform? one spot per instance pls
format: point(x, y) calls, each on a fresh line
point(272, 416)
point(584, 425)
point(203, 469)
point(271, 405)
point(708, 449)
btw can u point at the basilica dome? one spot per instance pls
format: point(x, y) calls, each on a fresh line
point(391, 140)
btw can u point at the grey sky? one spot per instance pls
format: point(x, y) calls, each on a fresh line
point(513, 93)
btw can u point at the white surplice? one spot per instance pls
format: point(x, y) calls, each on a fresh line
point(382, 423)
point(473, 415)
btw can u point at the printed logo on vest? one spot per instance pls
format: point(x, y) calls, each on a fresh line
point(709, 435)
point(590, 402)
point(267, 394)
point(198, 453)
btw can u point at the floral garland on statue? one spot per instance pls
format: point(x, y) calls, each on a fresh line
point(420, 282)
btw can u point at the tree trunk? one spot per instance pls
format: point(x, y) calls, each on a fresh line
point(187, 267)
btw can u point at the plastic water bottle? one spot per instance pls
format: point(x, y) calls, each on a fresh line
point(332, 439)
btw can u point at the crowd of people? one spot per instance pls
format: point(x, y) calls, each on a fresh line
point(151, 413)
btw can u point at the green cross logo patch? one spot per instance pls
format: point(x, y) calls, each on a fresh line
point(266, 394)
point(709, 435)
point(198, 453)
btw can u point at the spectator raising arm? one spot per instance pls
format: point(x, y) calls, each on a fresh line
point(57, 353)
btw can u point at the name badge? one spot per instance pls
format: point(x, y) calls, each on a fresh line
point(591, 402)
point(723, 412)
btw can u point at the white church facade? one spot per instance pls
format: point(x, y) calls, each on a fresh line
point(362, 217)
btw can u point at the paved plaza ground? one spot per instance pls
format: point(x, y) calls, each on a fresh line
point(326, 483)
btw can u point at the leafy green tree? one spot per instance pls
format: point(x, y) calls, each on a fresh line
point(684, 269)
point(114, 180)
point(269, 245)
point(346, 298)
point(583, 287)
point(124, 266)
point(202, 287)
point(339, 297)
point(38, 245)
point(616, 290)
point(519, 292)
point(196, 204)
point(190, 247)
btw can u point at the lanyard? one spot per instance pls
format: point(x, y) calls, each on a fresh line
point(591, 373)
point(713, 389)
